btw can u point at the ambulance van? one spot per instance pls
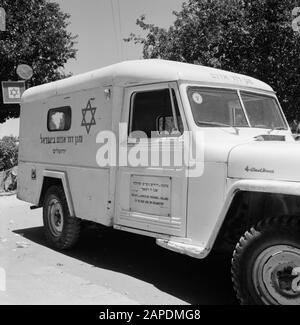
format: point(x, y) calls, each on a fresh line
point(200, 159)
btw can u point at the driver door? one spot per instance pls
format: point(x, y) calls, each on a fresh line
point(152, 196)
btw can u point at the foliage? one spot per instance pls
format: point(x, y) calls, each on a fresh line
point(253, 37)
point(8, 152)
point(36, 35)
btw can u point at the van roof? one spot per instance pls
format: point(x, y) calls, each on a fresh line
point(137, 72)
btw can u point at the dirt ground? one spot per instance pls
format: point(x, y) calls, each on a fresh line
point(106, 267)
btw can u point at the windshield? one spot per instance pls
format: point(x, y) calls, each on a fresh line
point(263, 111)
point(222, 107)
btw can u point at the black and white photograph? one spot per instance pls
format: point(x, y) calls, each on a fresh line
point(149, 155)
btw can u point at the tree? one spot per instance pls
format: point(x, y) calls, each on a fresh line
point(36, 35)
point(253, 37)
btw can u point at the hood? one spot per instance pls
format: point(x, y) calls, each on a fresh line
point(265, 160)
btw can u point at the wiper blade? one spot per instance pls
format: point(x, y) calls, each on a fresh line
point(277, 129)
point(220, 124)
point(214, 123)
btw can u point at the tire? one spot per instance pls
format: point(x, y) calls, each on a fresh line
point(266, 263)
point(61, 230)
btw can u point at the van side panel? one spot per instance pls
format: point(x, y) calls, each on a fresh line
point(72, 151)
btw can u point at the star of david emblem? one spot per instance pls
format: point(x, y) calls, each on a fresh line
point(14, 92)
point(92, 121)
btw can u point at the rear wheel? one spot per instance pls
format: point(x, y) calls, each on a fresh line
point(266, 263)
point(62, 231)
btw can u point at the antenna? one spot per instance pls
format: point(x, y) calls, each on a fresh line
point(120, 29)
point(2, 20)
point(117, 29)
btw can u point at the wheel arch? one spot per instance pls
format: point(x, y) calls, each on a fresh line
point(56, 178)
point(248, 202)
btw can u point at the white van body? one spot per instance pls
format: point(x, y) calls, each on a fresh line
point(190, 219)
point(102, 195)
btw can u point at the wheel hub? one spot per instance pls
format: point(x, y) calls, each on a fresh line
point(286, 279)
point(55, 217)
point(296, 281)
point(276, 275)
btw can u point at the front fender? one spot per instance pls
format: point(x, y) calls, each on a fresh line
point(251, 185)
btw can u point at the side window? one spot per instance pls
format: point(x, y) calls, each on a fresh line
point(59, 119)
point(155, 113)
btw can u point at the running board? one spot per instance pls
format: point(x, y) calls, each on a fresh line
point(183, 248)
point(176, 244)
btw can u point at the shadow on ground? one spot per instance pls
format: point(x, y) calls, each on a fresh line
point(204, 282)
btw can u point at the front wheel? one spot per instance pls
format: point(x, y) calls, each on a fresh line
point(61, 230)
point(266, 263)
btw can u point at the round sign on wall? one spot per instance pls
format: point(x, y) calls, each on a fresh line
point(24, 71)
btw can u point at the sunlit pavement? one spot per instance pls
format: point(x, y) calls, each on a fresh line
point(106, 267)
